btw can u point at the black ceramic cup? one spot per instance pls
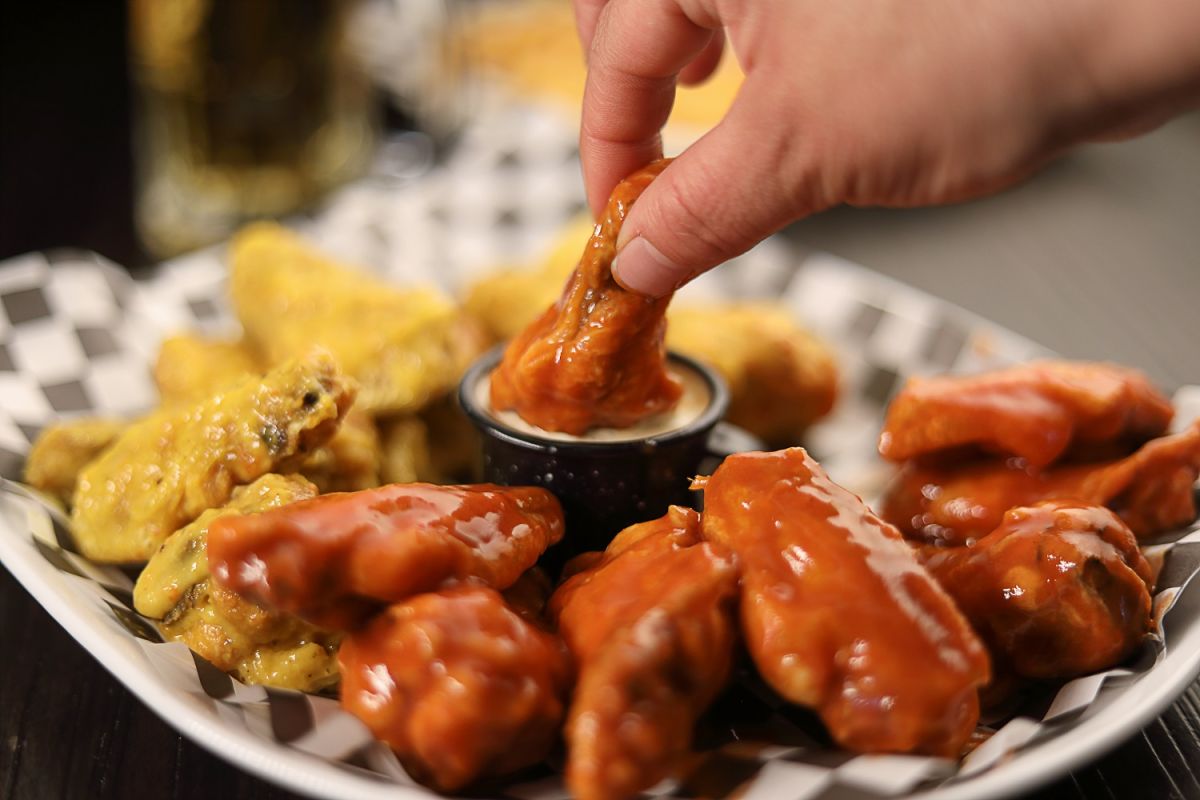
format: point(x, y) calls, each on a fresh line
point(603, 485)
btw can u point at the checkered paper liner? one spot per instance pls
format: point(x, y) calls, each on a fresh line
point(77, 336)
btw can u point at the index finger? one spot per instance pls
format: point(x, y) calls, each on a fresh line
point(587, 12)
point(637, 52)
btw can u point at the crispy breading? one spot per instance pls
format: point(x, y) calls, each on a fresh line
point(168, 468)
point(251, 643)
point(63, 449)
point(405, 347)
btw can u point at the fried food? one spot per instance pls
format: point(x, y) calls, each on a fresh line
point(404, 347)
point(454, 443)
point(457, 684)
point(404, 451)
point(1059, 590)
point(781, 378)
point(650, 625)
point(335, 559)
point(507, 300)
point(352, 458)
point(1037, 411)
point(166, 469)
point(251, 643)
point(954, 505)
point(837, 613)
point(191, 367)
point(63, 449)
point(597, 357)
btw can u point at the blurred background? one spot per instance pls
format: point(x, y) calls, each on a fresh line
point(146, 128)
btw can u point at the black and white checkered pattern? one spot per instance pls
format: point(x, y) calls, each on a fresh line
point(77, 336)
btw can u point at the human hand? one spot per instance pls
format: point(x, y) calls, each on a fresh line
point(863, 102)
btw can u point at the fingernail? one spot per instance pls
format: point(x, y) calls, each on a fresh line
point(641, 267)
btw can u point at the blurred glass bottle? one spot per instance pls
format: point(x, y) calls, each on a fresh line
point(244, 109)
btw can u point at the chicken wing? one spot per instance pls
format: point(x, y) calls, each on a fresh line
point(1058, 590)
point(650, 626)
point(837, 613)
point(251, 643)
point(596, 358)
point(63, 449)
point(191, 367)
point(335, 559)
point(952, 505)
point(457, 684)
point(166, 469)
point(1035, 411)
point(405, 347)
point(781, 378)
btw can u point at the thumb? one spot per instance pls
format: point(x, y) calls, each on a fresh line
point(741, 182)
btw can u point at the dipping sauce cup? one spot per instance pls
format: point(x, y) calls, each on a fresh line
point(606, 479)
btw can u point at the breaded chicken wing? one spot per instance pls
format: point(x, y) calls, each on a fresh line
point(650, 625)
point(954, 505)
point(508, 299)
point(166, 469)
point(63, 449)
point(251, 643)
point(1036, 411)
point(457, 684)
point(335, 559)
point(1059, 590)
point(781, 378)
point(837, 613)
point(191, 367)
point(596, 358)
point(404, 346)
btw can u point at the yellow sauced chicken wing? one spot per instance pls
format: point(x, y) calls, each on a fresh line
point(404, 346)
point(63, 449)
point(251, 643)
point(191, 367)
point(168, 468)
point(781, 378)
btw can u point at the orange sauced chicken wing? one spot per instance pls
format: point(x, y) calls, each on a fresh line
point(596, 358)
point(334, 559)
point(650, 626)
point(1058, 590)
point(457, 684)
point(837, 612)
point(1036, 411)
point(1151, 490)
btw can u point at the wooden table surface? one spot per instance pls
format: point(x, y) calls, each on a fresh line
point(1097, 257)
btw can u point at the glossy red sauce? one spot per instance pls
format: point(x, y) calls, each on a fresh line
point(837, 613)
point(650, 625)
point(334, 559)
point(1038, 411)
point(457, 684)
point(957, 504)
point(596, 358)
point(1059, 590)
